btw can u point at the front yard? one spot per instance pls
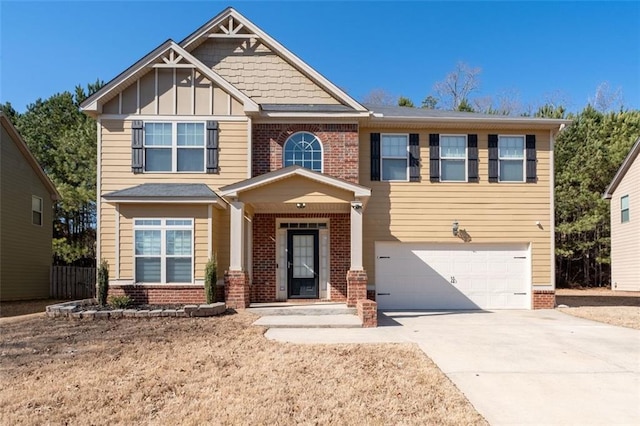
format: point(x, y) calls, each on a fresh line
point(620, 308)
point(216, 370)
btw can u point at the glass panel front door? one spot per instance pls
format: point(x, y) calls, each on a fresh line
point(302, 249)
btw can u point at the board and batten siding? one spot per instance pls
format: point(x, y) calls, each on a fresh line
point(625, 237)
point(116, 174)
point(25, 260)
point(488, 212)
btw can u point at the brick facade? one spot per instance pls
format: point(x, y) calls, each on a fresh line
point(160, 294)
point(357, 287)
point(339, 146)
point(263, 288)
point(544, 299)
point(367, 312)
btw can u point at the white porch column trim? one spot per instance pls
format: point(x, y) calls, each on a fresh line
point(237, 236)
point(356, 236)
point(117, 240)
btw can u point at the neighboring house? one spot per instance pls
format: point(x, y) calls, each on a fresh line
point(26, 220)
point(228, 143)
point(624, 193)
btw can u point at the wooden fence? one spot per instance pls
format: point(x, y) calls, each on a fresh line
point(72, 282)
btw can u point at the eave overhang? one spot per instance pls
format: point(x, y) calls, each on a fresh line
point(622, 171)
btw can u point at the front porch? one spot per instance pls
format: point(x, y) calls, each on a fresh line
point(295, 235)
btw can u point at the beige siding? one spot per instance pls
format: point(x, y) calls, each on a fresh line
point(26, 248)
point(260, 73)
point(130, 212)
point(116, 174)
point(184, 95)
point(488, 212)
point(296, 190)
point(625, 237)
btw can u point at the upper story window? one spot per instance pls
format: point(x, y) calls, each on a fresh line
point(303, 149)
point(394, 157)
point(36, 210)
point(453, 158)
point(511, 158)
point(174, 147)
point(624, 209)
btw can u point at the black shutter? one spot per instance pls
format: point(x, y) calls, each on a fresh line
point(375, 156)
point(493, 158)
point(472, 158)
point(434, 157)
point(414, 157)
point(531, 158)
point(137, 147)
point(212, 147)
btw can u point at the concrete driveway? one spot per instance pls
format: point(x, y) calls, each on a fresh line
point(518, 367)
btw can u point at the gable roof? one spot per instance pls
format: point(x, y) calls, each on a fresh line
point(91, 104)
point(230, 14)
point(28, 156)
point(286, 172)
point(624, 168)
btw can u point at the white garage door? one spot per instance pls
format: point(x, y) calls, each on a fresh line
point(452, 276)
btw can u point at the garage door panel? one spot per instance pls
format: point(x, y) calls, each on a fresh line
point(446, 276)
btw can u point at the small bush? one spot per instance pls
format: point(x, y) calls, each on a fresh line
point(211, 279)
point(103, 282)
point(120, 302)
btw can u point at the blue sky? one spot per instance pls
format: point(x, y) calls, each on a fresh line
point(535, 49)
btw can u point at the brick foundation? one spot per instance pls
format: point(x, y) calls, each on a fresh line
point(368, 313)
point(356, 287)
point(339, 147)
point(544, 299)
point(263, 288)
point(237, 293)
point(159, 294)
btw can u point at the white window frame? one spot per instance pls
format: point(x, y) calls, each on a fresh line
point(284, 150)
point(383, 157)
point(163, 228)
point(466, 157)
point(524, 158)
point(622, 210)
point(35, 197)
point(174, 146)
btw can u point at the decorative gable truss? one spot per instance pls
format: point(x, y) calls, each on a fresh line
point(170, 81)
point(230, 28)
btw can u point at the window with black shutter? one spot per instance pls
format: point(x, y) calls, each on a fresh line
point(434, 157)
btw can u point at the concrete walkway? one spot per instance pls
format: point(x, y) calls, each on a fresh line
point(517, 367)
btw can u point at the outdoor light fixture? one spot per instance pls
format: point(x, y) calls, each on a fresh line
point(356, 206)
point(301, 205)
point(454, 227)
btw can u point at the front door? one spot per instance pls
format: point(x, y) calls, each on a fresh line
point(302, 264)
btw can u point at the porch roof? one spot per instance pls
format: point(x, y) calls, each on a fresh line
point(360, 192)
point(166, 193)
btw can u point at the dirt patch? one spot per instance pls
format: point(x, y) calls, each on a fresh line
point(25, 307)
point(620, 308)
point(217, 370)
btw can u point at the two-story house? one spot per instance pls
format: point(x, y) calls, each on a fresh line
point(227, 143)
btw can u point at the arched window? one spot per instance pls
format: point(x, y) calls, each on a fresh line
point(303, 149)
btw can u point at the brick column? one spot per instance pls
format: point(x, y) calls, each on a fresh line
point(544, 299)
point(236, 289)
point(356, 287)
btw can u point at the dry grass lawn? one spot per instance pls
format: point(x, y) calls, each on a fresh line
point(620, 308)
point(215, 370)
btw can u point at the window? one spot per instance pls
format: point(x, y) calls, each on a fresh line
point(36, 210)
point(453, 158)
point(511, 158)
point(174, 147)
point(394, 155)
point(624, 209)
point(303, 149)
point(163, 250)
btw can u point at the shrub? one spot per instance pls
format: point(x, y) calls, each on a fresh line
point(103, 282)
point(211, 279)
point(120, 302)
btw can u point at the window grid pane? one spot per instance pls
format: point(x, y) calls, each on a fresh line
point(452, 170)
point(190, 160)
point(303, 256)
point(511, 147)
point(157, 160)
point(157, 134)
point(394, 169)
point(453, 147)
point(394, 146)
point(172, 262)
point(511, 170)
point(624, 209)
point(190, 134)
point(148, 242)
point(303, 149)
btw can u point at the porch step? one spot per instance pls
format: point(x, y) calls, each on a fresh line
point(307, 309)
point(310, 321)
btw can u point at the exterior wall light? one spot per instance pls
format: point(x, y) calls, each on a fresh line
point(454, 227)
point(301, 205)
point(356, 206)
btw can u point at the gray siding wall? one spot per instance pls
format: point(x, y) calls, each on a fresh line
point(25, 256)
